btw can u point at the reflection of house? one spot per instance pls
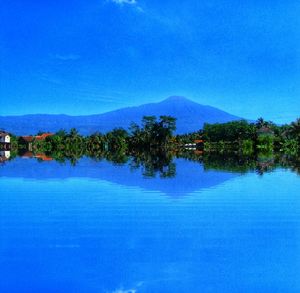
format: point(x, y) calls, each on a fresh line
point(4, 142)
point(199, 143)
point(4, 156)
point(29, 155)
point(190, 146)
point(198, 152)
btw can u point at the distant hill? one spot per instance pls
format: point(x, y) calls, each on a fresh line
point(190, 117)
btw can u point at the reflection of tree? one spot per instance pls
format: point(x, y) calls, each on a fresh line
point(154, 162)
point(265, 163)
point(291, 162)
point(231, 162)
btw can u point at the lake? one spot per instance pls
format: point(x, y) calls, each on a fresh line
point(103, 227)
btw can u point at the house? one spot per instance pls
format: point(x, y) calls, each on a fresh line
point(29, 139)
point(199, 142)
point(4, 137)
point(265, 131)
point(196, 145)
point(43, 136)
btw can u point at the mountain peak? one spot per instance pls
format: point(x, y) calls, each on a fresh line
point(176, 99)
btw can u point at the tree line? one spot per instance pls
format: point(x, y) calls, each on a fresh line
point(158, 134)
point(249, 137)
point(152, 146)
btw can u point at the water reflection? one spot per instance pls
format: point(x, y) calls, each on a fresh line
point(4, 155)
point(175, 174)
point(101, 224)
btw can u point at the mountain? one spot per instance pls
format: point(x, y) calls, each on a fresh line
point(190, 117)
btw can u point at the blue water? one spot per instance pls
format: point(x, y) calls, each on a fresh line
point(91, 228)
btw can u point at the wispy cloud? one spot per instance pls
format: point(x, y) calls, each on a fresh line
point(50, 79)
point(133, 3)
point(122, 2)
point(66, 57)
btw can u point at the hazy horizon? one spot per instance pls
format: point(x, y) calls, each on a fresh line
point(120, 108)
point(138, 104)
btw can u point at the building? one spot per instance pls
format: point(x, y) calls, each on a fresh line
point(43, 136)
point(28, 141)
point(199, 143)
point(265, 131)
point(31, 138)
point(4, 137)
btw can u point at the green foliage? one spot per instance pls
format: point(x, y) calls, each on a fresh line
point(290, 146)
point(153, 133)
point(230, 131)
point(265, 143)
point(116, 139)
point(247, 147)
point(294, 130)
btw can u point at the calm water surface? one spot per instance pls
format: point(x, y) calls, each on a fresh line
point(103, 228)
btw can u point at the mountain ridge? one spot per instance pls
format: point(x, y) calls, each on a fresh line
point(190, 117)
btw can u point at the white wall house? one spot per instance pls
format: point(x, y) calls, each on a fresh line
point(4, 137)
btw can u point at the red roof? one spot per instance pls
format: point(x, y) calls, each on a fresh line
point(43, 136)
point(30, 138)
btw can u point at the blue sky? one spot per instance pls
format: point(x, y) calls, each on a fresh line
point(83, 57)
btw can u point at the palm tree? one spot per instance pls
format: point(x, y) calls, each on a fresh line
point(260, 122)
point(295, 129)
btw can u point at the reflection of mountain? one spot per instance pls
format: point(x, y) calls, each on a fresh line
point(190, 117)
point(190, 176)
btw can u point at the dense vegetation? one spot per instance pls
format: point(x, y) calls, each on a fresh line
point(154, 138)
point(261, 136)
